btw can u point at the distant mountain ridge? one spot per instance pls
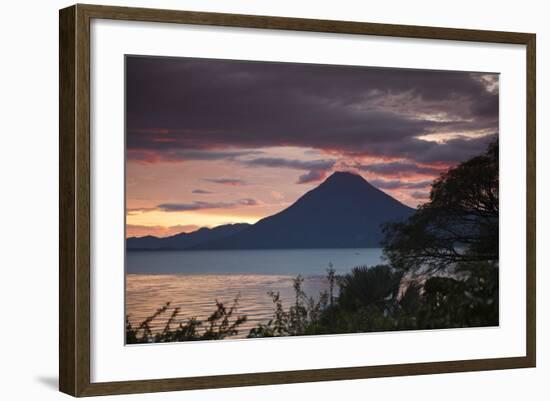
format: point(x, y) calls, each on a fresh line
point(184, 240)
point(344, 211)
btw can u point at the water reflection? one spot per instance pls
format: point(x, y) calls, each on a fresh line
point(196, 295)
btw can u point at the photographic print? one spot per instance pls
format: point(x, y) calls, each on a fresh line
point(271, 199)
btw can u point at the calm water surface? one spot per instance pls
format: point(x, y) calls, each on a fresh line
point(194, 280)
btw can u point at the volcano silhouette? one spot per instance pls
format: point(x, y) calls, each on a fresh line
point(345, 211)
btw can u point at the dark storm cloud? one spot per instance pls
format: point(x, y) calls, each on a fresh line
point(312, 176)
point(318, 169)
point(186, 207)
point(397, 184)
point(451, 151)
point(226, 181)
point(153, 156)
point(395, 168)
point(455, 150)
point(201, 192)
point(209, 105)
point(292, 163)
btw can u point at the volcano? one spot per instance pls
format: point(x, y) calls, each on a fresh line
point(345, 211)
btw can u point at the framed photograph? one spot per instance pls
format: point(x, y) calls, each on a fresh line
point(250, 200)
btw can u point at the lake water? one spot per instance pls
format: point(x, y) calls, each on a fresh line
point(194, 280)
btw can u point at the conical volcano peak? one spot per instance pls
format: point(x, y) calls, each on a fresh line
point(343, 174)
point(345, 179)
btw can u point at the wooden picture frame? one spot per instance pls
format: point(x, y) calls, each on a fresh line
point(74, 204)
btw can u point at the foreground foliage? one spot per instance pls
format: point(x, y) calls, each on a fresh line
point(219, 325)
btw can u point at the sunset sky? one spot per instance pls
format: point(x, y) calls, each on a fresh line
point(211, 142)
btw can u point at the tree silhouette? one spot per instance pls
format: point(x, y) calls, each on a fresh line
point(459, 224)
